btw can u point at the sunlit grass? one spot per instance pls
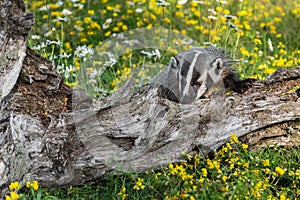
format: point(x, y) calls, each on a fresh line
point(231, 173)
point(262, 34)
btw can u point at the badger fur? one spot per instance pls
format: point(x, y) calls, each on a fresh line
point(196, 73)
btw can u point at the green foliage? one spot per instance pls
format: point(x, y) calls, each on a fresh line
point(262, 34)
point(231, 173)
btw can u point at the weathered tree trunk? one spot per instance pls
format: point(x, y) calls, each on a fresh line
point(60, 137)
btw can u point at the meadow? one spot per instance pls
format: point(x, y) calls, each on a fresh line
point(262, 35)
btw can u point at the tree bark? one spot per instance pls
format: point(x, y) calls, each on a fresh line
point(61, 137)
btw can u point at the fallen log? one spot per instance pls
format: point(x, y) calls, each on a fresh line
point(61, 137)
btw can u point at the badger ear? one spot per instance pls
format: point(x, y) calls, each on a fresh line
point(174, 62)
point(218, 63)
point(217, 66)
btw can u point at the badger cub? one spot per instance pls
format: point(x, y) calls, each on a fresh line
point(197, 73)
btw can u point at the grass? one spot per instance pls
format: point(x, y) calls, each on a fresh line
point(262, 34)
point(231, 173)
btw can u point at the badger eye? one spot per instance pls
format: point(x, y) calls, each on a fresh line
point(198, 84)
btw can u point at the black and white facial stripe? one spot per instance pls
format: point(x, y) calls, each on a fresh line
point(192, 74)
point(197, 71)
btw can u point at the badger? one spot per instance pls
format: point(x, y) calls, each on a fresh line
point(196, 73)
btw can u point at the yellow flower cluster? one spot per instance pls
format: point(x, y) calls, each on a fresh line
point(13, 196)
point(139, 184)
point(15, 186)
point(122, 193)
point(34, 185)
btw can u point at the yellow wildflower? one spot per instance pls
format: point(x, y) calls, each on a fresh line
point(242, 13)
point(13, 196)
point(233, 138)
point(219, 9)
point(107, 34)
point(95, 25)
point(279, 170)
point(224, 189)
point(282, 52)
point(124, 28)
point(210, 164)
point(267, 170)
point(122, 193)
point(14, 186)
point(139, 184)
point(279, 62)
point(266, 163)
point(257, 41)
point(282, 197)
point(204, 172)
point(245, 146)
point(91, 12)
point(228, 146)
point(226, 12)
point(201, 180)
point(244, 52)
point(35, 185)
point(87, 20)
point(224, 178)
point(246, 165)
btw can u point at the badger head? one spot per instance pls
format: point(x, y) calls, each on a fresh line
point(198, 72)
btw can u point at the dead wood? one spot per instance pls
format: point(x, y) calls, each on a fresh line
point(60, 137)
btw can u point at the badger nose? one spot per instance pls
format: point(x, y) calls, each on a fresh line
point(201, 90)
